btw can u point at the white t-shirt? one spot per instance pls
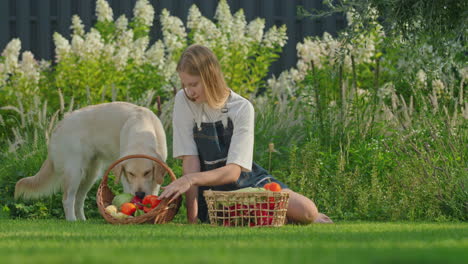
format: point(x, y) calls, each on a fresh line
point(187, 113)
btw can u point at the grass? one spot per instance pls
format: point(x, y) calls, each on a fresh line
point(94, 241)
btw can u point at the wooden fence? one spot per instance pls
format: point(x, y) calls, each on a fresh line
point(34, 21)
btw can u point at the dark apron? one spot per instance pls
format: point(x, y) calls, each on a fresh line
point(213, 141)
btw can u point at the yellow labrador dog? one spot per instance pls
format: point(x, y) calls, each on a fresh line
point(86, 142)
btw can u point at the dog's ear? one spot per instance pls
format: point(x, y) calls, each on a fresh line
point(158, 173)
point(118, 170)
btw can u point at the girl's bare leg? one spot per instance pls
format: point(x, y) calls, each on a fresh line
point(303, 211)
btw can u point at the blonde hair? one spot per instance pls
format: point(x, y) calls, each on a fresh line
point(200, 61)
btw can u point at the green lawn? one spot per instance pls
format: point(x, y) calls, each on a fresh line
point(94, 241)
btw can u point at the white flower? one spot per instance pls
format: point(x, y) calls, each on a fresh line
point(77, 26)
point(309, 51)
point(139, 48)
point(144, 11)
point(350, 17)
point(282, 86)
point(464, 73)
point(363, 93)
point(77, 45)
point(120, 59)
point(421, 76)
point(93, 44)
point(108, 50)
point(169, 71)
point(275, 37)
point(103, 11)
point(44, 65)
point(173, 30)
point(125, 39)
point(287, 83)
point(29, 67)
point(303, 67)
point(11, 53)
point(62, 47)
point(224, 17)
point(238, 29)
point(3, 75)
point(296, 75)
point(208, 34)
point(255, 29)
point(438, 87)
point(386, 90)
point(329, 47)
point(121, 23)
point(155, 54)
point(194, 16)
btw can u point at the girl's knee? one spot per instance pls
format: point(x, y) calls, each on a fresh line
point(301, 209)
point(312, 214)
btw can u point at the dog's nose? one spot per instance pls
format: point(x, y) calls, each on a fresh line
point(140, 195)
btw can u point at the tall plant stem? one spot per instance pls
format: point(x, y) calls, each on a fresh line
point(376, 89)
point(342, 90)
point(317, 99)
point(353, 68)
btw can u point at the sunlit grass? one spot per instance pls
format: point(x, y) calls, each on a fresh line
point(58, 241)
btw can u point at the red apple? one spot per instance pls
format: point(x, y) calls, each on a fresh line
point(137, 201)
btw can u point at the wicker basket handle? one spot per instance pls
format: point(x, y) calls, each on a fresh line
point(136, 156)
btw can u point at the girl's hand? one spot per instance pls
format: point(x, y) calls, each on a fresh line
point(176, 188)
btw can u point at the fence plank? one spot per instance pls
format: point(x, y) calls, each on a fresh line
point(330, 24)
point(127, 8)
point(289, 52)
point(23, 21)
point(86, 12)
point(64, 16)
point(250, 8)
point(4, 24)
point(44, 32)
point(268, 13)
point(207, 7)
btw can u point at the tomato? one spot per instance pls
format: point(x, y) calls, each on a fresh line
point(226, 222)
point(272, 186)
point(263, 218)
point(150, 202)
point(275, 187)
point(147, 209)
point(272, 203)
point(128, 208)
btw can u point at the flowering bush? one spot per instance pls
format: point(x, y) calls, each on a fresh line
point(363, 68)
point(244, 50)
point(19, 79)
point(385, 125)
point(115, 61)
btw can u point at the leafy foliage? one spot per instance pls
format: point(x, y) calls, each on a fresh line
point(408, 18)
point(369, 125)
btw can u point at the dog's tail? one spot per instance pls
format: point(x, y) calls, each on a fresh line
point(41, 184)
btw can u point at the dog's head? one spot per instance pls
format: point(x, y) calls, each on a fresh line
point(139, 176)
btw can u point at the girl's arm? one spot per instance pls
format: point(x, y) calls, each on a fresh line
point(191, 164)
point(226, 174)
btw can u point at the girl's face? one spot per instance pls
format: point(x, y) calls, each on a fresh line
point(193, 87)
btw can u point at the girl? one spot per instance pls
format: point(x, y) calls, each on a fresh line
point(214, 136)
